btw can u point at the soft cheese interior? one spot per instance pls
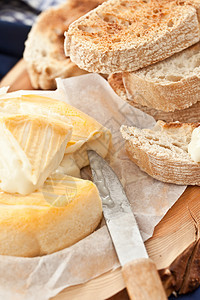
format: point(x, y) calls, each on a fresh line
point(42, 209)
point(31, 148)
point(87, 133)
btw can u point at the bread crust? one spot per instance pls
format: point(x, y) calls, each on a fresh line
point(110, 46)
point(190, 114)
point(164, 170)
point(170, 85)
point(159, 165)
point(171, 97)
point(44, 53)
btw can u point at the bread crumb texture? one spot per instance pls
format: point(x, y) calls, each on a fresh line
point(162, 152)
point(44, 51)
point(134, 29)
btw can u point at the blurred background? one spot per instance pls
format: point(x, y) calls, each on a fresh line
point(16, 19)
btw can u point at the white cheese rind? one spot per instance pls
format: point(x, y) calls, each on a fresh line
point(31, 148)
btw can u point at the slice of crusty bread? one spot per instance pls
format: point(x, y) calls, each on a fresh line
point(126, 35)
point(163, 151)
point(169, 85)
point(190, 114)
point(44, 52)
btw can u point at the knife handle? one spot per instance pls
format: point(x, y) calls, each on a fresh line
point(142, 280)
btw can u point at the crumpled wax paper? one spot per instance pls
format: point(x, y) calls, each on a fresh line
point(44, 277)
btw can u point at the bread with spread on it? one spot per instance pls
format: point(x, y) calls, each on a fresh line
point(162, 152)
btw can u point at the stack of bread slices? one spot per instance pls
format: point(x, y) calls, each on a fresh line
point(151, 51)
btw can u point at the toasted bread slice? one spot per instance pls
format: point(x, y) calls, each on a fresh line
point(169, 85)
point(190, 114)
point(163, 151)
point(126, 35)
point(44, 52)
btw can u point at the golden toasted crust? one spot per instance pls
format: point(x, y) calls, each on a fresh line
point(190, 114)
point(176, 125)
point(44, 52)
point(125, 35)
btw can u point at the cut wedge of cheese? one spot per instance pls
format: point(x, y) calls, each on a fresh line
point(62, 212)
point(87, 132)
point(31, 148)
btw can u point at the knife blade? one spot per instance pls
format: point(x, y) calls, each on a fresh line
point(139, 271)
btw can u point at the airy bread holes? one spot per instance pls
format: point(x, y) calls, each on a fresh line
point(108, 19)
point(100, 34)
point(125, 4)
point(117, 40)
point(197, 64)
point(48, 71)
point(174, 78)
point(145, 26)
point(81, 27)
point(125, 22)
point(176, 144)
point(165, 146)
point(180, 65)
point(88, 29)
point(155, 11)
point(170, 23)
point(44, 53)
point(180, 2)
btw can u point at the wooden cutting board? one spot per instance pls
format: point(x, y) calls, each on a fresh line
point(174, 246)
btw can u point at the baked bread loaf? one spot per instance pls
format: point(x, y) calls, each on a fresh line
point(163, 151)
point(169, 85)
point(59, 214)
point(87, 132)
point(32, 147)
point(44, 52)
point(126, 35)
point(190, 114)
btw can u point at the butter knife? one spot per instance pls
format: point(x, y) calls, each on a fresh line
point(139, 271)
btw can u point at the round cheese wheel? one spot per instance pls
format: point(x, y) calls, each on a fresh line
point(62, 212)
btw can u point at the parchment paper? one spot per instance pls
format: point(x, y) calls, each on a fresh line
point(44, 277)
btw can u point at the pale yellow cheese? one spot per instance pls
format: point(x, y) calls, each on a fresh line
point(194, 145)
point(63, 211)
point(31, 148)
point(87, 132)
